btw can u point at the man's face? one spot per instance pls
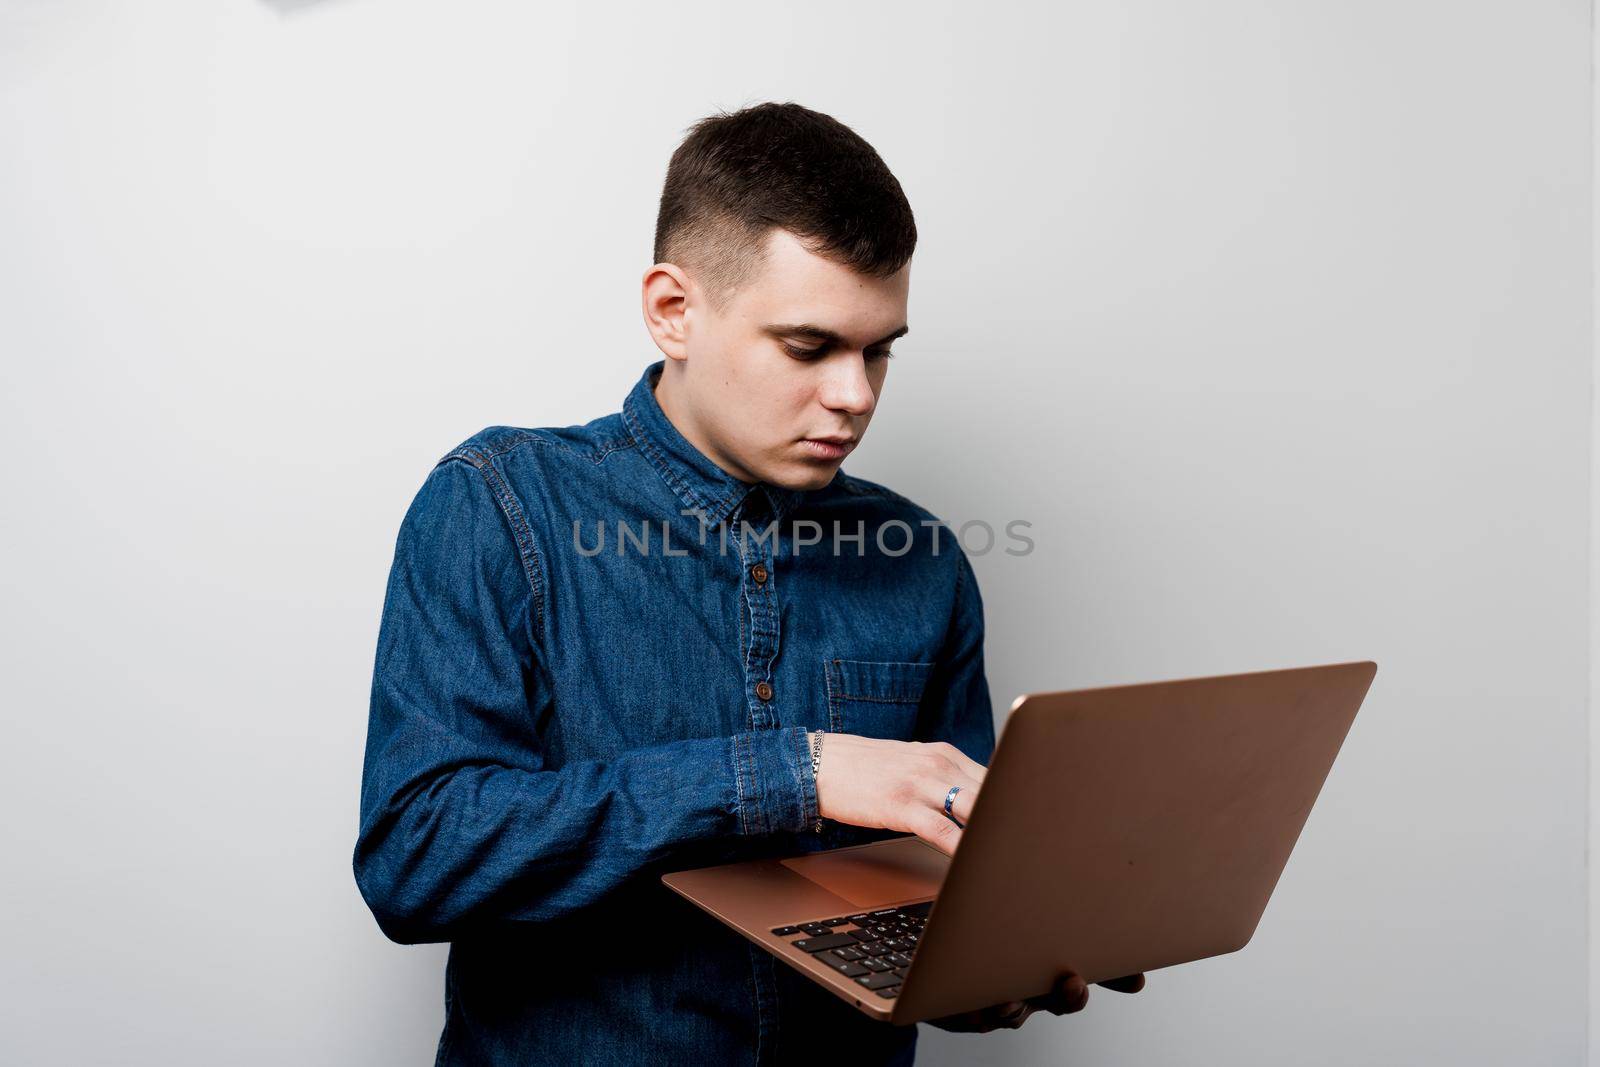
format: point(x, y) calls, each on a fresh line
point(797, 356)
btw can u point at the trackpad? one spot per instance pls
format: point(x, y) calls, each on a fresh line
point(881, 873)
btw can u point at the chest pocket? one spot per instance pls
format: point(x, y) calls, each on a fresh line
point(875, 699)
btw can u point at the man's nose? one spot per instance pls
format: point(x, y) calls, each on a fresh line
point(847, 388)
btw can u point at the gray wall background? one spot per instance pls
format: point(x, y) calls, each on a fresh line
point(1273, 318)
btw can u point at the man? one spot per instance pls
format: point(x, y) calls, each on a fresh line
point(606, 648)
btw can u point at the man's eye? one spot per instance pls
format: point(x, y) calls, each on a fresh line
point(812, 353)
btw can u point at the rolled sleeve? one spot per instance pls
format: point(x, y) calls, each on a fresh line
point(776, 788)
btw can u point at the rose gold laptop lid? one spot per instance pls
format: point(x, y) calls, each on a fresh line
point(1120, 829)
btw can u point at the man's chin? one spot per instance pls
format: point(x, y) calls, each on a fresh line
point(805, 476)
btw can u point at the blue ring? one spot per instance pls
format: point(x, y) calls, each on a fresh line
point(949, 798)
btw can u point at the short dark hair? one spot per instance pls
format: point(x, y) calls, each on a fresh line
point(738, 175)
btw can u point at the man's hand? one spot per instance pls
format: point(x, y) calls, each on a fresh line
point(1069, 994)
point(897, 785)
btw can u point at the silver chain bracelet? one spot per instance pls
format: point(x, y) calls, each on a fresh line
point(816, 761)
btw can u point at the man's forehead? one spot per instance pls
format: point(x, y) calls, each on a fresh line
point(805, 295)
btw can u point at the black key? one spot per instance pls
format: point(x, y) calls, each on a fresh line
point(871, 948)
point(862, 935)
point(899, 972)
point(890, 993)
point(834, 922)
point(918, 909)
point(899, 959)
point(873, 963)
point(817, 944)
point(859, 919)
point(849, 970)
point(896, 945)
point(878, 981)
point(886, 911)
point(816, 929)
point(785, 931)
point(849, 953)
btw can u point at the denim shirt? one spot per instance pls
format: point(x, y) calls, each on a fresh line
point(557, 720)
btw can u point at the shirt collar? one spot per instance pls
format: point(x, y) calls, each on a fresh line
point(690, 473)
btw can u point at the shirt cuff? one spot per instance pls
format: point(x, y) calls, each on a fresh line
point(776, 789)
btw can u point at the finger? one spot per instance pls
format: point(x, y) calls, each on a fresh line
point(937, 786)
point(1131, 983)
point(934, 828)
point(1070, 994)
point(1015, 1013)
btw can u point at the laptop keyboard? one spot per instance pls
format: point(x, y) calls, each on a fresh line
point(873, 947)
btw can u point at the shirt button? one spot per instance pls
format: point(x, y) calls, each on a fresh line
point(759, 573)
point(763, 690)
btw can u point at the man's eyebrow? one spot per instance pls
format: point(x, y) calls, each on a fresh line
point(820, 333)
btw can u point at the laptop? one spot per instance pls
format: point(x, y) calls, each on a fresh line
point(1119, 830)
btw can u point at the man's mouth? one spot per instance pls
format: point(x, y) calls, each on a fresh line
point(828, 447)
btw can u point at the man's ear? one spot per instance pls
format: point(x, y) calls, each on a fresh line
point(667, 303)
